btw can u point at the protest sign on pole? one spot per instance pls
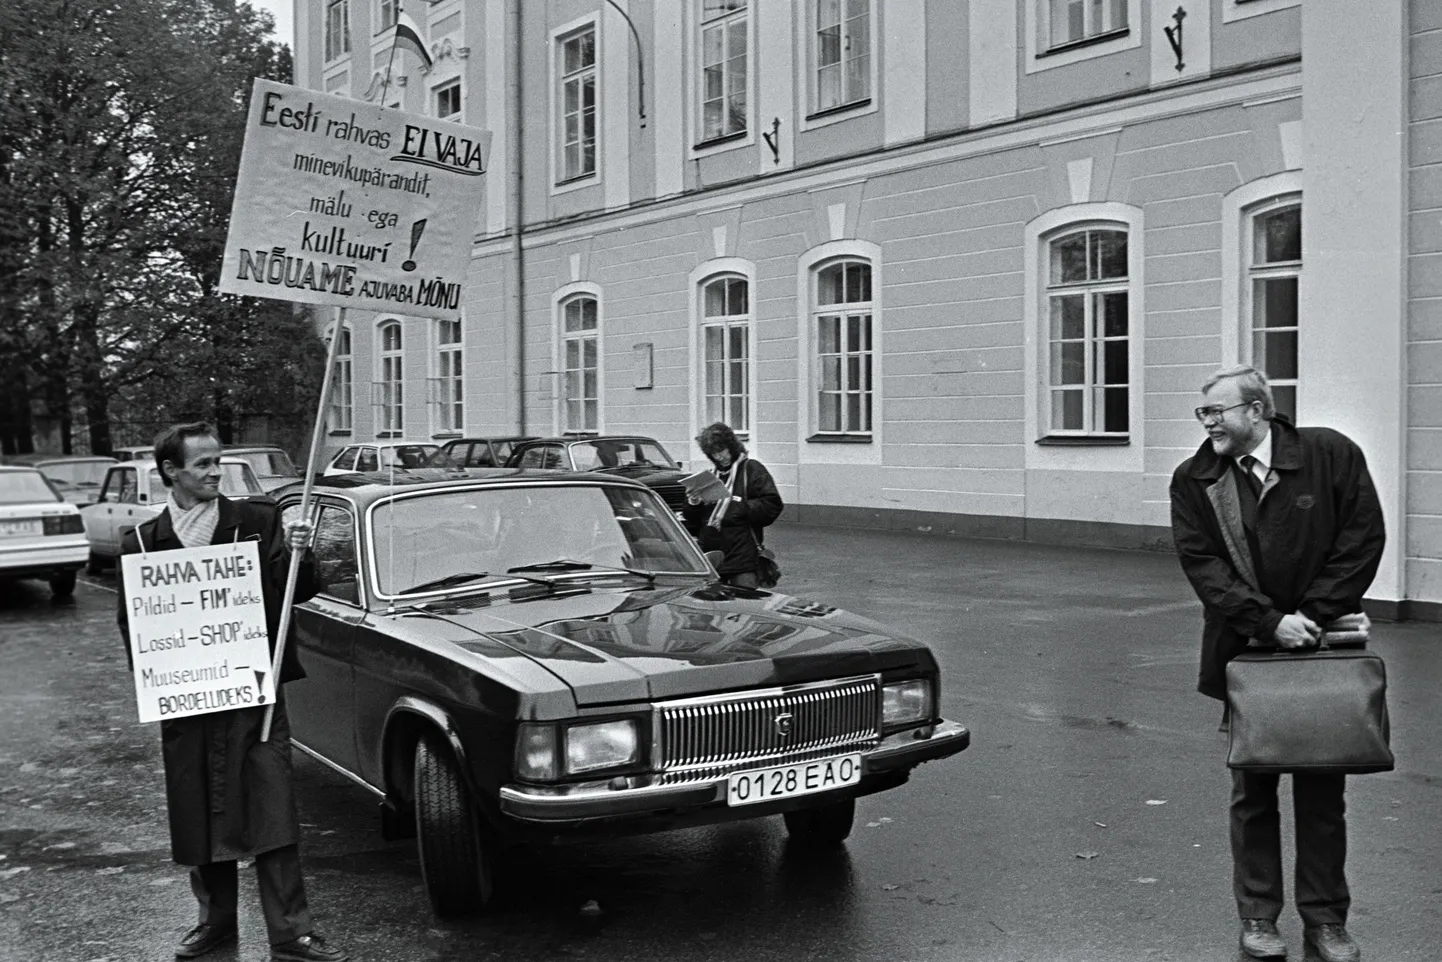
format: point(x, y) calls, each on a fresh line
point(198, 636)
point(347, 203)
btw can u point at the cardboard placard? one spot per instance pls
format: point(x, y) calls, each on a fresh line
point(198, 636)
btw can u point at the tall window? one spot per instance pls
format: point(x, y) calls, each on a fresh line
point(388, 11)
point(843, 52)
point(581, 384)
point(1274, 266)
point(1076, 20)
point(342, 386)
point(843, 348)
point(392, 419)
point(726, 351)
point(337, 28)
point(723, 68)
point(1089, 342)
point(578, 104)
point(450, 403)
point(448, 100)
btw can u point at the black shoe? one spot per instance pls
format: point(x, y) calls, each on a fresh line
point(203, 938)
point(1261, 940)
point(1333, 944)
point(307, 948)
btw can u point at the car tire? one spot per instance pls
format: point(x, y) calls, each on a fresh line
point(824, 826)
point(94, 564)
point(62, 584)
point(456, 858)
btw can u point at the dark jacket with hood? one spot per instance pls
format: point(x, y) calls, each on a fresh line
point(228, 793)
point(1315, 546)
point(740, 534)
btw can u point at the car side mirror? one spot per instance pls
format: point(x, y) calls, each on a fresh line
point(716, 557)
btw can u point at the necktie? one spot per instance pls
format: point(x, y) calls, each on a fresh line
point(1248, 464)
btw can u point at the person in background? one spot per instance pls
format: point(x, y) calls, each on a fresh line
point(229, 794)
point(1280, 532)
point(734, 525)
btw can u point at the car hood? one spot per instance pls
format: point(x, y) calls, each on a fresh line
point(612, 645)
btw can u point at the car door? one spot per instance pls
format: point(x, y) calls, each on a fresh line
point(321, 704)
point(99, 518)
point(128, 512)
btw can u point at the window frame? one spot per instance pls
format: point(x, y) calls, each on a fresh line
point(1250, 273)
point(442, 89)
point(816, 115)
point(384, 22)
point(448, 378)
point(1093, 341)
point(1042, 55)
point(727, 323)
point(561, 181)
point(573, 293)
point(844, 311)
point(340, 409)
point(336, 49)
point(390, 361)
point(700, 143)
point(1234, 10)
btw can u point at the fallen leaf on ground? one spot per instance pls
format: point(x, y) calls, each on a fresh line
point(1156, 801)
point(873, 824)
point(1100, 824)
point(6, 898)
point(112, 870)
point(890, 887)
point(883, 819)
point(1087, 855)
point(1144, 881)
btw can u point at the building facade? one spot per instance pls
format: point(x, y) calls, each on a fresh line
point(950, 265)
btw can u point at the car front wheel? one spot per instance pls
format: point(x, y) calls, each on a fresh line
point(456, 858)
point(62, 584)
point(824, 826)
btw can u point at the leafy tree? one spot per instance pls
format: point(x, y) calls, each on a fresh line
point(120, 132)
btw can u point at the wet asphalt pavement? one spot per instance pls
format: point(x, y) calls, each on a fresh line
point(1087, 822)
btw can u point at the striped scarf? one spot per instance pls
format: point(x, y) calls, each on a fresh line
point(195, 527)
point(729, 478)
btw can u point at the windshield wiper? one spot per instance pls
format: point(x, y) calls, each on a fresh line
point(459, 578)
point(566, 564)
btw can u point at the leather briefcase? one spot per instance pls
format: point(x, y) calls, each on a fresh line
point(1311, 710)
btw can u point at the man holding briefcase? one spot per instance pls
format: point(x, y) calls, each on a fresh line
point(1280, 532)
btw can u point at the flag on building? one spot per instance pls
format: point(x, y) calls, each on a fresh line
point(408, 37)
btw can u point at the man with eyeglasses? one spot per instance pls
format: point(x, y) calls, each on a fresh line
point(1280, 532)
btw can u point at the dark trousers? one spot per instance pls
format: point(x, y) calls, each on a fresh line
point(1321, 826)
point(282, 893)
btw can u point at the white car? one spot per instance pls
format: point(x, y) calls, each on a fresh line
point(384, 456)
point(134, 452)
point(134, 493)
point(41, 534)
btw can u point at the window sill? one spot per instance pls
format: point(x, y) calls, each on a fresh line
point(445, 435)
point(1084, 42)
point(1084, 441)
point(839, 439)
point(843, 108)
point(341, 434)
point(578, 179)
point(718, 141)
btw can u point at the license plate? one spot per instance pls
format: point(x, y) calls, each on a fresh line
point(21, 529)
point(789, 781)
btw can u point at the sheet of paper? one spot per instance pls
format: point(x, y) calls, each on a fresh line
point(705, 486)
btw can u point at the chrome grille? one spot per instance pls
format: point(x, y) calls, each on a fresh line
point(698, 738)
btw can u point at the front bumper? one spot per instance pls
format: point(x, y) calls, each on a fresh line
point(892, 757)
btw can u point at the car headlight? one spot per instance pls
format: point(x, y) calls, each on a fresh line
point(905, 702)
point(602, 745)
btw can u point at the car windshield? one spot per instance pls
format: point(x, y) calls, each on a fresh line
point(235, 482)
point(414, 456)
point(268, 464)
point(605, 453)
point(77, 474)
point(493, 529)
point(25, 487)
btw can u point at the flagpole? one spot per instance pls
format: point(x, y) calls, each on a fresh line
point(293, 574)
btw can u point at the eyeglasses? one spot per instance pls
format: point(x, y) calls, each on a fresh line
point(1215, 413)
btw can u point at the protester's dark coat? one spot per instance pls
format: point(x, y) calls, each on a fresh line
point(229, 794)
point(740, 533)
point(1319, 530)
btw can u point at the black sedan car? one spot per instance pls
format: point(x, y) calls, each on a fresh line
point(628, 456)
point(528, 656)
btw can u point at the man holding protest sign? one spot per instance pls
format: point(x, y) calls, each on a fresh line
point(228, 791)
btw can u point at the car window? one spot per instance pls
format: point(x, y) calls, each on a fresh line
point(335, 554)
point(26, 487)
point(502, 450)
point(607, 453)
point(238, 479)
point(110, 491)
point(345, 461)
point(444, 532)
point(158, 491)
point(128, 489)
point(541, 456)
point(476, 455)
point(76, 474)
point(367, 460)
point(267, 464)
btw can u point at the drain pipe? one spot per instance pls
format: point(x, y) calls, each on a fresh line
point(515, 263)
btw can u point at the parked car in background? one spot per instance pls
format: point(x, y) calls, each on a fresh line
point(628, 456)
point(529, 656)
point(76, 476)
point(133, 493)
point(41, 534)
point(272, 466)
point(393, 457)
point(483, 452)
point(134, 452)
